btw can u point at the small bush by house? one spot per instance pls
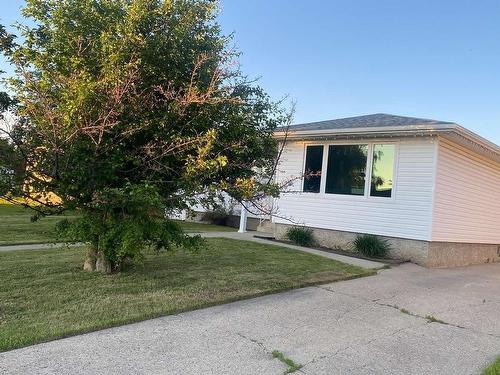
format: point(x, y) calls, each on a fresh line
point(371, 246)
point(219, 216)
point(301, 236)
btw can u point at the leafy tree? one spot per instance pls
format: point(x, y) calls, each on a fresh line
point(129, 109)
point(11, 163)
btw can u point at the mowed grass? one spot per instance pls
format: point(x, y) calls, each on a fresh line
point(16, 226)
point(493, 369)
point(45, 294)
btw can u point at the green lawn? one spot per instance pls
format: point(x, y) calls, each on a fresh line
point(17, 228)
point(493, 369)
point(197, 227)
point(45, 294)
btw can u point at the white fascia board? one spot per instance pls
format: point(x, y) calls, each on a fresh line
point(362, 131)
point(466, 133)
point(393, 131)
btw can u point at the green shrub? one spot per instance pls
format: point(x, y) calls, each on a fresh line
point(218, 216)
point(371, 246)
point(301, 236)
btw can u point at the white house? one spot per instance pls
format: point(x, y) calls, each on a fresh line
point(431, 187)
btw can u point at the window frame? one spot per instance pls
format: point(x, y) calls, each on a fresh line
point(302, 179)
point(368, 174)
point(368, 148)
point(395, 164)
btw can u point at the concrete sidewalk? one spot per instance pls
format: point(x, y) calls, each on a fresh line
point(350, 327)
point(249, 236)
point(39, 246)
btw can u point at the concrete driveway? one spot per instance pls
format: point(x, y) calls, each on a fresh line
point(351, 327)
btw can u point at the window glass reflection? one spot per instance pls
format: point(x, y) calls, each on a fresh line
point(312, 172)
point(346, 169)
point(382, 171)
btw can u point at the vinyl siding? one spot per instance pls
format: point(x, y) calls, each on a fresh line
point(407, 215)
point(467, 200)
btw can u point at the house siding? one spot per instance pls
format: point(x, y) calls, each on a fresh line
point(407, 215)
point(467, 198)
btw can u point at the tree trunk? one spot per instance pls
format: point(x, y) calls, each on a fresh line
point(90, 260)
point(102, 264)
point(96, 261)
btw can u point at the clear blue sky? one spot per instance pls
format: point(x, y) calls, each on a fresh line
point(423, 58)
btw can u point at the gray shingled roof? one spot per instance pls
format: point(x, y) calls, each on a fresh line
point(381, 124)
point(369, 121)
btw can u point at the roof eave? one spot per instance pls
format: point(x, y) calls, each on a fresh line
point(362, 132)
point(393, 131)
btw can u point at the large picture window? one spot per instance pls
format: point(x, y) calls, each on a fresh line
point(312, 170)
point(346, 169)
point(382, 171)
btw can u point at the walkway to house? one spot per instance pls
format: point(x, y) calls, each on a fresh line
point(405, 320)
point(249, 236)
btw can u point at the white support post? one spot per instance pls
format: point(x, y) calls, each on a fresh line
point(243, 220)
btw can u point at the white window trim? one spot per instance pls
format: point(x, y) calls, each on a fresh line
point(347, 196)
point(395, 166)
point(368, 173)
point(302, 178)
